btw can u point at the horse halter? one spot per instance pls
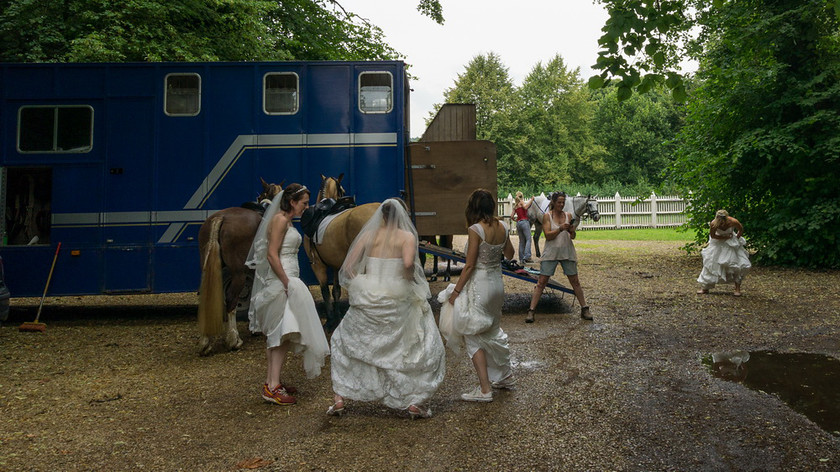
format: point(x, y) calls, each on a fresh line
point(591, 210)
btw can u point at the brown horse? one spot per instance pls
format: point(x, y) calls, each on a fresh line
point(332, 249)
point(223, 242)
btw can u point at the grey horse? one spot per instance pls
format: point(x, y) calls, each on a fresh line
point(579, 206)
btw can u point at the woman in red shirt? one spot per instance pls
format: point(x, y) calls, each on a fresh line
point(523, 226)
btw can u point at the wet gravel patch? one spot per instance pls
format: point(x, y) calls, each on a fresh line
point(115, 383)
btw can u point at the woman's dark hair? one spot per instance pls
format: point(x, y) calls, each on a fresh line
point(293, 193)
point(554, 197)
point(480, 207)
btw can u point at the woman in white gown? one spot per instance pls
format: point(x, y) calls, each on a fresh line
point(725, 259)
point(387, 348)
point(478, 297)
point(281, 306)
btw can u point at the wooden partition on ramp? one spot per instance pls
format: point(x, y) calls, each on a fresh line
point(443, 175)
point(444, 168)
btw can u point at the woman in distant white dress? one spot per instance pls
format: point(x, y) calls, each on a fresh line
point(725, 259)
point(281, 306)
point(478, 297)
point(387, 348)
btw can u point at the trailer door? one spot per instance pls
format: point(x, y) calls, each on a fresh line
point(128, 191)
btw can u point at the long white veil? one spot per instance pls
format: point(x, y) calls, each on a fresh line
point(380, 238)
point(257, 254)
point(259, 248)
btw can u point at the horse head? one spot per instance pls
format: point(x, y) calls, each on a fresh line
point(269, 190)
point(331, 188)
point(581, 208)
point(592, 208)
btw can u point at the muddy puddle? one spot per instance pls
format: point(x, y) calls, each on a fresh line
point(808, 383)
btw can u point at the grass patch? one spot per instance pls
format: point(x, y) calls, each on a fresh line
point(635, 234)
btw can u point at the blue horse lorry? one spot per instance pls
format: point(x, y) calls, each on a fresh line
point(122, 162)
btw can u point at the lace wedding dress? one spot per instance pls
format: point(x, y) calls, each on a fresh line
point(477, 316)
point(724, 260)
point(387, 348)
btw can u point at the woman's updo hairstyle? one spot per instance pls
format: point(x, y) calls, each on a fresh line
point(389, 208)
point(480, 207)
point(293, 193)
point(554, 197)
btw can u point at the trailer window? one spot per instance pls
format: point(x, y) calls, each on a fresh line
point(376, 92)
point(60, 129)
point(280, 93)
point(183, 95)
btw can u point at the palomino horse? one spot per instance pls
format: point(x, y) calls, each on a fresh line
point(223, 242)
point(579, 206)
point(331, 251)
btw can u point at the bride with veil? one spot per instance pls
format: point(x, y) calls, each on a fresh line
point(387, 348)
point(281, 306)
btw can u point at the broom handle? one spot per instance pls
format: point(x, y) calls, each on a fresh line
point(49, 277)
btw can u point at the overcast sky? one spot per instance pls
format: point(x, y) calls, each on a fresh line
point(522, 33)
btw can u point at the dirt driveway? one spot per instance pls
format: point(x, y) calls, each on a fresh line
point(115, 384)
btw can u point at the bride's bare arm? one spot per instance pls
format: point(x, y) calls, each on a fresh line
point(279, 225)
point(474, 242)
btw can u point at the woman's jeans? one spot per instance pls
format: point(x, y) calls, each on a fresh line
point(523, 228)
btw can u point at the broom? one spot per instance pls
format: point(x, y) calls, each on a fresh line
point(35, 326)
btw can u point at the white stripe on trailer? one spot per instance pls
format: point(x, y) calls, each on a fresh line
point(117, 218)
point(177, 220)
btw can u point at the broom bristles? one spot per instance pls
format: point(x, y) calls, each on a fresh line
point(31, 326)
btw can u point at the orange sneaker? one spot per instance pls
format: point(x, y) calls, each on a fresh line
point(278, 395)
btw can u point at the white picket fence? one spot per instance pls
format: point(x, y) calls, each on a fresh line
point(619, 212)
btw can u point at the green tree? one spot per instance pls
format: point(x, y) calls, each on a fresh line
point(189, 30)
point(486, 83)
point(546, 139)
point(762, 135)
point(637, 135)
point(643, 43)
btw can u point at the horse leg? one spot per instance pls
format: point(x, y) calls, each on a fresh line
point(204, 346)
point(537, 233)
point(446, 241)
point(336, 292)
point(320, 271)
point(434, 269)
point(232, 339)
point(232, 294)
point(319, 268)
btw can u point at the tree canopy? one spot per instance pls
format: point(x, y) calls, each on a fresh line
point(552, 132)
point(190, 30)
point(762, 136)
point(637, 135)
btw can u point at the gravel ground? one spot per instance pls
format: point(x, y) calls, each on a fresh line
point(115, 383)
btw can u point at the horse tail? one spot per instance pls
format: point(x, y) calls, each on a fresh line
point(211, 298)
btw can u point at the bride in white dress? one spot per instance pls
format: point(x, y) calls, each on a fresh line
point(387, 348)
point(281, 306)
point(725, 259)
point(478, 298)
